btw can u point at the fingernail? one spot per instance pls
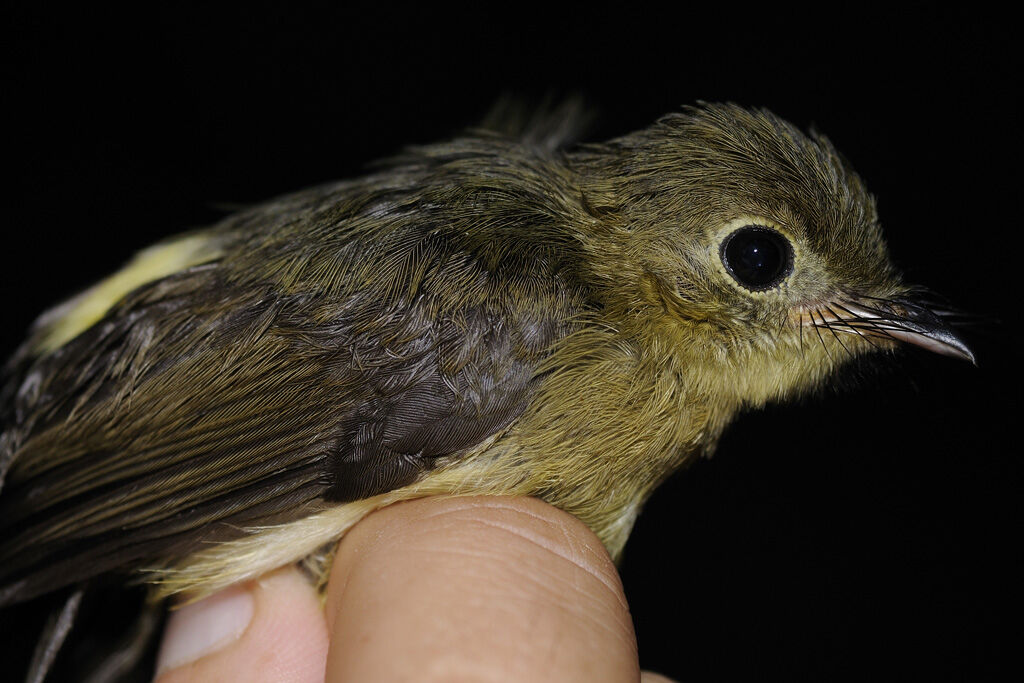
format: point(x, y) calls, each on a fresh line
point(205, 627)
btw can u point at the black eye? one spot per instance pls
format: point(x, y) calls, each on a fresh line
point(758, 257)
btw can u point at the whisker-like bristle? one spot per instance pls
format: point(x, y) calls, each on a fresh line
point(925, 300)
point(880, 325)
point(817, 331)
point(838, 340)
point(854, 328)
point(834, 334)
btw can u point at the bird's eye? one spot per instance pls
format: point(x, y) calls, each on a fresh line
point(757, 257)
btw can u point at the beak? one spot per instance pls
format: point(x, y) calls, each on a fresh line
point(902, 320)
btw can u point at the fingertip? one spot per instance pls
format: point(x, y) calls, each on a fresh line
point(651, 677)
point(271, 629)
point(205, 627)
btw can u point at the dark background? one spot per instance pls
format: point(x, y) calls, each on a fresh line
point(861, 535)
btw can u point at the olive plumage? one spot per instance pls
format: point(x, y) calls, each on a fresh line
point(488, 315)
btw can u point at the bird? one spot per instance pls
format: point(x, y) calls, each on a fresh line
point(494, 314)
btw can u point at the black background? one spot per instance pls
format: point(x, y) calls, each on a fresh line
point(861, 535)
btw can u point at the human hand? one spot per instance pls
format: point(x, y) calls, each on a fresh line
point(437, 589)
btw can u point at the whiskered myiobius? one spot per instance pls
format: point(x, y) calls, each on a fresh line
point(487, 315)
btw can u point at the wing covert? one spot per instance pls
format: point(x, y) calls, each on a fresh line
point(286, 374)
point(181, 418)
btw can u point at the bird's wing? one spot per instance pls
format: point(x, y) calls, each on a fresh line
point(202, 402)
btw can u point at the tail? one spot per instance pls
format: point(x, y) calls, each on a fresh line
point(93, 634)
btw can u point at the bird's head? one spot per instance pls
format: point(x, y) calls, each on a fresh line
point(750, 249)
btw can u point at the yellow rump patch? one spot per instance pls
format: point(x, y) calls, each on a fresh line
point(65, 322)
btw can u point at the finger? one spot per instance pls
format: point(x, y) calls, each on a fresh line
point(271, 629)
point(491, 589)
point(651, 677)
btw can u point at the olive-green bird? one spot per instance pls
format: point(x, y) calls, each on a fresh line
point(488, 315)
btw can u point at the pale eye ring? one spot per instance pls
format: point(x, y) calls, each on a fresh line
point(757, 257)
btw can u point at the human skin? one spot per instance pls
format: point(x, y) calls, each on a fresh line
point(438, 589)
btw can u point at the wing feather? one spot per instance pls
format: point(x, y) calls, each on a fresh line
point(274, 377)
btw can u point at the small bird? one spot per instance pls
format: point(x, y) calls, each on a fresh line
point(488, 315)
